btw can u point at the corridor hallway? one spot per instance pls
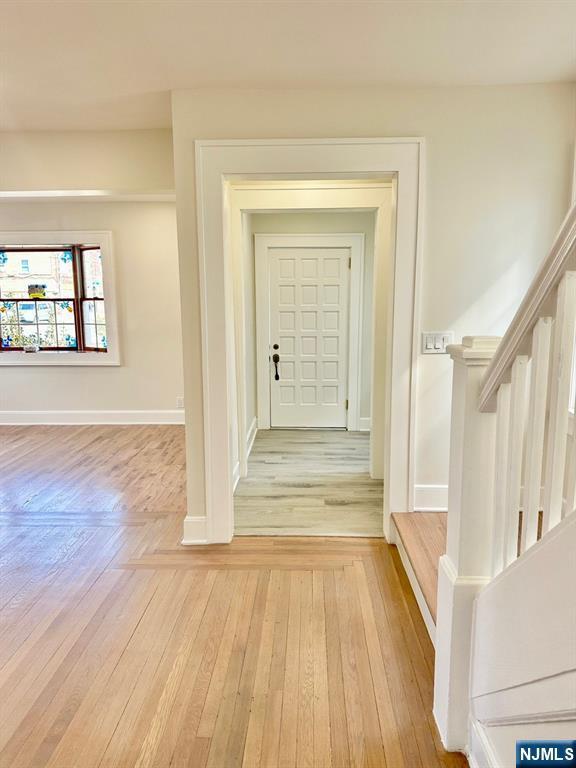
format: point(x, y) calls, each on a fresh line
point(309, 482)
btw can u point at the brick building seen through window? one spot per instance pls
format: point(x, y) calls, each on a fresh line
point(52, 298)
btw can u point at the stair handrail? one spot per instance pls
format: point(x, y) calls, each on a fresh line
point(512, 479)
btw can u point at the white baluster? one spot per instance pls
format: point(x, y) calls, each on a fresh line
point(500, 477)
point(560, 381)
point(516, 433)
point(536, 429)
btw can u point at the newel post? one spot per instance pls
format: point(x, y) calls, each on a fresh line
point(466, 566)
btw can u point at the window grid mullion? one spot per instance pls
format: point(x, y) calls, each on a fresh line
point(78, 272)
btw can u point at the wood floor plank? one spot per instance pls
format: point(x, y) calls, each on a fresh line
point(289, 724)
point(275, 699)
point(389, 725)
point(121, 648)
point(237, 736)
point(352, 690)
point(218, 754)
point(46, 723)
point(305, 757)
point(338, 718)
point(321, 714)
point(315, 482)
point(257, 710)
point(373, 741)
point(181, 728)
point(170, 708)
point(423, 535)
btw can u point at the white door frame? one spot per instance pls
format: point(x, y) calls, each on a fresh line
point(261, 245)
point(242, 198)
point(223, 159)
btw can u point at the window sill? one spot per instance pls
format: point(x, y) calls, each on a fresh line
point(74, 359)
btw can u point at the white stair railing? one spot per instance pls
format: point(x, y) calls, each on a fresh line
point(512, 464)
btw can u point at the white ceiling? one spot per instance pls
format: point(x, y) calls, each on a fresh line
point(111, 63)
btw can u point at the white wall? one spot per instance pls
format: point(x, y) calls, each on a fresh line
point(331, 223)
point(146, 257)
point(499, 166)
point(116, 160)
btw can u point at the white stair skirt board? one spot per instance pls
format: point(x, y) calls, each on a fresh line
point(16, 418)
point(479, 752)
point(430, 498)
point(418, 594)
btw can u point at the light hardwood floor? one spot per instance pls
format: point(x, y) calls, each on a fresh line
point(119, 648)
point(309, 482)
point(423, 535)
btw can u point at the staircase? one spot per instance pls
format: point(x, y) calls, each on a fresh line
point(506, 624)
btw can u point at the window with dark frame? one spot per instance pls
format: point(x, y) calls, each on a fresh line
point(52, 298)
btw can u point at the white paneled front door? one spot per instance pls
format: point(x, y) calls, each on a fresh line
point(309, 293)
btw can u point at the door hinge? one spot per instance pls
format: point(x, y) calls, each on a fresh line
point(350, 262)
point(346, 404)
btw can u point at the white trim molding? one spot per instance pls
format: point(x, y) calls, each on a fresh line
point(63, 237)
point(251, 436)
point(353, 241)
point(479, 752)
point(88, 195)
point(92, 417)
point(195, 531)
point(397, 159)
point(364, 424)
point(396, 539)
point(456, 595)
point(236, 475)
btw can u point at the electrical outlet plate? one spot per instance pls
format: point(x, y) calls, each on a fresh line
point(435, 342)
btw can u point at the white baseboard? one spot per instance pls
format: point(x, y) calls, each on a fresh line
point(92, 417)
point(195, 531)
point(251, 436)
point(364, 423)
point(235, 476)
point(431, 498)
point(418, 594)
point(480, 753)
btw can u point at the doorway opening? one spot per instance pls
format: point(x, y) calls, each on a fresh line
point(305, 314)
point(218, 446)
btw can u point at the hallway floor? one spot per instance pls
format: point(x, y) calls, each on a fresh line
point(309, 482)
point(119, 648)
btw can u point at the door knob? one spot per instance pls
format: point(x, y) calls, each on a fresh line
point(276, 360)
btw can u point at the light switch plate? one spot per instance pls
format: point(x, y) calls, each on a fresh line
point(435, 342)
